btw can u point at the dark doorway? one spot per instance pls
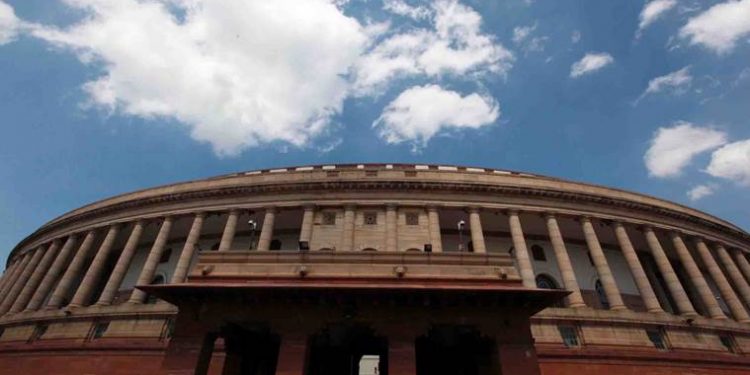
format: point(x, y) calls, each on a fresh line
point(249, 351)
point(339, 350)
point(456, 350)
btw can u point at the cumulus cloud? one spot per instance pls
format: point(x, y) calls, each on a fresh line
point(402, 8)
point(236, 73)
point(591, 62)
point(421, 112)
point(701, 191)
point(673, 148)
point(455, 45)
point(677, 82)
point(720, 27)
point(732, 162)
point(652, 11)
point(522, 37)
point(9, 24)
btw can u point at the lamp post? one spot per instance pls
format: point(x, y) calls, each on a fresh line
point(461, 224)
point(253, 225)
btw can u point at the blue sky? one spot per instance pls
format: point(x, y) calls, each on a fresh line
point(102, 97)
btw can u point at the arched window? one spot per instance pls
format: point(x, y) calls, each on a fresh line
point(603, 301)
point(369, 249)
point(414, 250)
point(325, 249)
point(157, 280)
point(547, 282)
point(275, 245)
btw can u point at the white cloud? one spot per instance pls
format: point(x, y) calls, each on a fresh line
point(701, 191)
point(591, 62)
point(9, 24)
point(673, 148)
point(520, 33)
point(652, 11)
point(720, 27)
point(402, 8)
point(522, 36)
point(455, 46)
point(236, 73)
point(732, 162)
point(677, 81)
point(575, 36)
point(421, 112)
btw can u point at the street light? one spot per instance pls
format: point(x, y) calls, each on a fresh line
point(461, 224)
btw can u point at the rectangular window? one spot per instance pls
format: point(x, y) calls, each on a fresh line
point(569, 335)
point(38, 332)
point(168, 329)
point(329, 218)
point(166, 255)
point(728, 342)
point(537, 252)
point(412, 218)
point(657, 338)
point(371, 218)
point(99, 329)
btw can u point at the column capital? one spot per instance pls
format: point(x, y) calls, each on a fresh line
point(350, 206)
point(271, 209)
point(391, 206)
point(431, 208)
point(585, 218)
point(309, 206)
point(201, 214)
point(549, 215)
point(474, 209)
point(513, 211)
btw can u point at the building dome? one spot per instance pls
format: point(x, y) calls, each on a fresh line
point(378, 268)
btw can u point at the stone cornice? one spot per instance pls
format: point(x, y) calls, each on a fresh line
point(362, 185)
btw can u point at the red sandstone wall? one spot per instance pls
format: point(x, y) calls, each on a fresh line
point(80, 363)
point(583, 368)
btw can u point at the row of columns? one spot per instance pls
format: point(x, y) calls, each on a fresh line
point(28, 281)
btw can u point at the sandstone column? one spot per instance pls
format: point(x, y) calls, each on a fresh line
point(6, 274)
point(477, 235)
point(94, 273)
point(188, 251)
point(734, 273)
point(36, 277)
point(308, 219)
point(696, 276)
point(266, 232)
point(23, 277)
point(229, 229)
point(679, 296)
point(71, 274)
point(636, 269)
point(123, 263)
point(13, 277)
point(54, 272)
point(602, 267)
point(522, 252)
point(347, 234)
point(149, 268)
point(434, 222)
point(563, 263)
point(739, 256)
point(735, 306)
point(391, 228)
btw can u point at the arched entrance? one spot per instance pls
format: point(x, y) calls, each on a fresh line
point(456, 350)
point(347, 349)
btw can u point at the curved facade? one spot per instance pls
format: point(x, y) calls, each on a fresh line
point(414, 269)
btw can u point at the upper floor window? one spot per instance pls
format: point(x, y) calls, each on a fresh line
point(412, 218)
point(603, 301)
point(38, 332)
point(538, 253)
point(329, 218)
point(569, 335)
point(371, 218)
point(166, 255)
point(98, 330)
point(728, 342)
point(656, 336)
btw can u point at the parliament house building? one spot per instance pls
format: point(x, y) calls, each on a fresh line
point(364, 269)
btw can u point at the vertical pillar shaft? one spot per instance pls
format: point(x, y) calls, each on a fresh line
point(6, 274)
point(636, 269)
point(696, 276)
point(347, 235)
point(308, 219)
point(735, 306)
point(13, 277)
point(71, 274)
point(152, 261)
point(391, 228)
point(229, 229)
point(739, 256)
point(436, 239)
point(684, 306)
point(266, 232)
point(36, 277)
point(122, 265)
point(23, 277)
point(188, 251)
point(94, 273)
point(292, 350)
point(54, 272)
point(734, 273)
point(563, 263)
point(522, 252)
point(602, 266)
point(477, 235)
